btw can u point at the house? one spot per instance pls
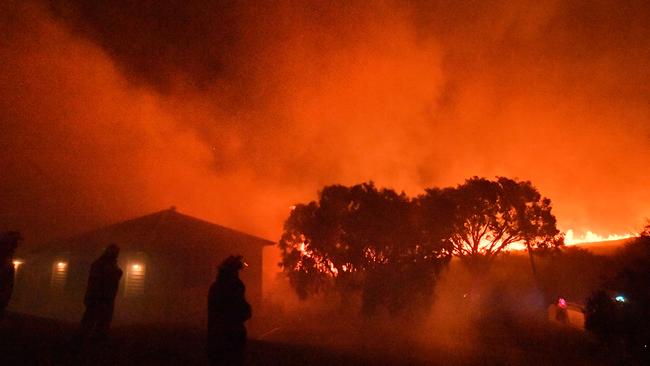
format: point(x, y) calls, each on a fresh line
point(169, 261)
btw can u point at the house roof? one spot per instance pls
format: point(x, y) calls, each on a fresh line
point(164, 228)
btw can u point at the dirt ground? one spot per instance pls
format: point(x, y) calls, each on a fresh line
point(28, 340)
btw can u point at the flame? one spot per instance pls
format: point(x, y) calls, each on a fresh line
point(324, 265)
point(590, 237)
point(570, 238)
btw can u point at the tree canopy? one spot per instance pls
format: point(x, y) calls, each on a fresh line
point(391, 247)
point(487, 217)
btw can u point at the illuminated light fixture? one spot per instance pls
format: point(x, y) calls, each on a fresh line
point(17, 263)
point(620, 298)
point(61, 265)
point(136, 267)
point(561, 302)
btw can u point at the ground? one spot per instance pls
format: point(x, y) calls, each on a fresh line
point(28, 340)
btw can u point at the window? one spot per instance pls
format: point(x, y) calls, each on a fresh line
point(59, 274)
point(134, 283)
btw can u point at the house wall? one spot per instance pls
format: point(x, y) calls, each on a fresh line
point(175, 284)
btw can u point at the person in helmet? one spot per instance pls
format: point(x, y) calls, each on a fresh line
point(103, 283)
point(227, 312)
point(8, 244)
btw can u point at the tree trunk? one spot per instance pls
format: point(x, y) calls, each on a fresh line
point(532, 261)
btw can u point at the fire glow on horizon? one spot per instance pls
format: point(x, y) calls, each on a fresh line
point(408, 94)
point(590, 237)
point(570, 238)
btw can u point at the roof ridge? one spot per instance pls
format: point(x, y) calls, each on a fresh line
point(166, 214)
point(236, 231)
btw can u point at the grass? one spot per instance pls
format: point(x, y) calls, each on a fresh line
point(28, 340)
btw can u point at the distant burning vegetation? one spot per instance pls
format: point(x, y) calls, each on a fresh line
point(590, 237)
point(389, 246)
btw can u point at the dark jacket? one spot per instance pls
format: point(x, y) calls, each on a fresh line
point(103, 281)
point(227, 307)
point(7, 273)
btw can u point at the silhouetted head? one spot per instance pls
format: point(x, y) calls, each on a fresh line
point(112, 251)
point(232, 264)
point(9, 242)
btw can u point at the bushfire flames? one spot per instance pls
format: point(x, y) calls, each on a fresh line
point(325, 265)
point(234, 110)
point(404, 100)
point(590, 237)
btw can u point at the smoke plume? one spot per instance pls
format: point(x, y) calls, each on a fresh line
point(233, 111)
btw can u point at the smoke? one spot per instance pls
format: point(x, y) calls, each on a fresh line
point(496, 316)
point(233, 111)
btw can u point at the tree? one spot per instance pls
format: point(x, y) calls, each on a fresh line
point(392, 248)
point(486, 217)
point(361, 238)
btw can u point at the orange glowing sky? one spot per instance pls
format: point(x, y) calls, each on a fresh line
point(234, 112)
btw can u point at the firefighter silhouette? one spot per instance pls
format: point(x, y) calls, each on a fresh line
point(103, 283)
point(8, 244)
point(227, 312)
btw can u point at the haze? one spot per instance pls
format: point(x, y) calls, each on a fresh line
point(235, 111)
